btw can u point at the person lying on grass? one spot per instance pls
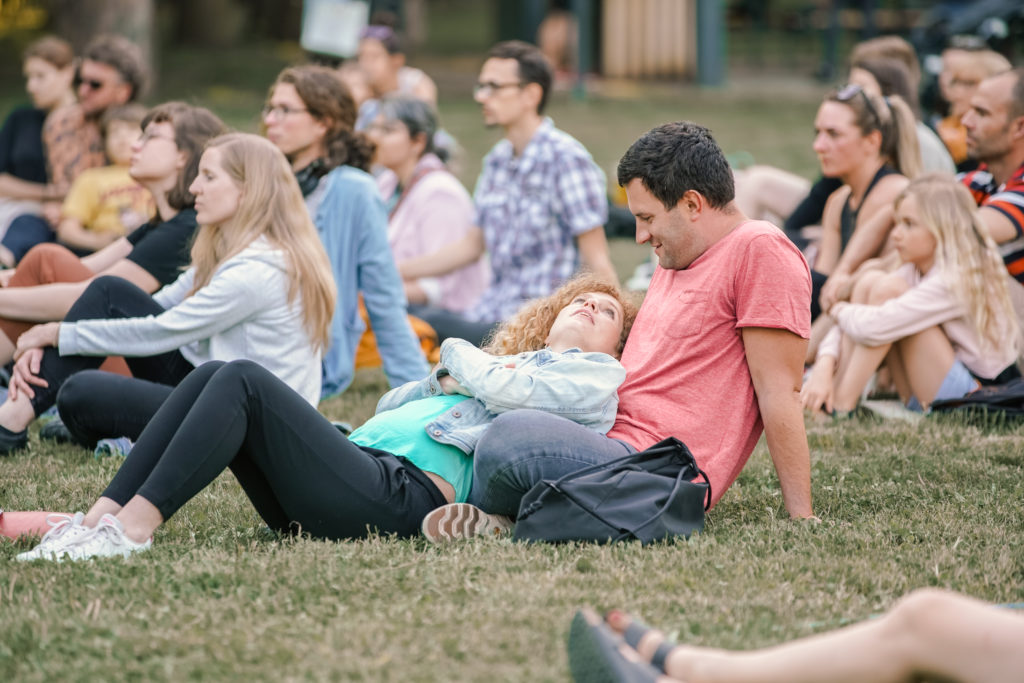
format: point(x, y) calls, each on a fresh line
point(942, 323)
point(260, 287)
point(558, 354)
point(929, 635)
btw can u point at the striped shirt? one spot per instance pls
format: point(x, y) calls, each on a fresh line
point(1007, 199)
point(531, 208)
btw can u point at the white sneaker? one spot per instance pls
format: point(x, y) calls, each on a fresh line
point(106, 540)
point(64, 530)
point(462, 520)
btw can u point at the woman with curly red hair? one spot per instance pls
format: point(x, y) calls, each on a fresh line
point(413, 456)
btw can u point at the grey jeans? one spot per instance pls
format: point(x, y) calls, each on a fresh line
point(522, 447)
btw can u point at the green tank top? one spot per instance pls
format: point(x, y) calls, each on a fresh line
point(403, 432)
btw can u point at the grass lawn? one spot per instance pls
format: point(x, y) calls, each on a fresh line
point(939, 503)
point(903, 506)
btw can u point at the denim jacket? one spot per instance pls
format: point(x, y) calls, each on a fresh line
point(577, 385)
point(352, 225)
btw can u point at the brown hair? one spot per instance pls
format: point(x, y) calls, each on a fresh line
point(193, 127)
point(51, 49)
point(890, 47)
point(892, 77)
point(124, 56)
point(529, 327)
point(534, 67)
point(327, 98)
point(126, 113)
point(892, 117)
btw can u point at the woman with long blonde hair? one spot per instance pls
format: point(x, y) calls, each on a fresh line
point(260, 288)
point(412, 457)
point(943, 323)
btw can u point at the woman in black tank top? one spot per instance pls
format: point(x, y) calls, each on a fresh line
point(860, 139)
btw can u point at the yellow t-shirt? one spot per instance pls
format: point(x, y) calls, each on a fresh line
point(107, 199)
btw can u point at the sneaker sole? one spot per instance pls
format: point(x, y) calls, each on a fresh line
point(457, 521)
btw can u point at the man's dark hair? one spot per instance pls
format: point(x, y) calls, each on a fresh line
point(533, 66)
point(676, 157)
point(124, 56)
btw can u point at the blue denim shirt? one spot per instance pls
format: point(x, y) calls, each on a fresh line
point(577, 385)
point(352, 225)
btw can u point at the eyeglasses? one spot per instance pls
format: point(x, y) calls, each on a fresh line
point(148, 135)
point(848, 92)
point(92, 84)
point(280, 110)
point(489, 88)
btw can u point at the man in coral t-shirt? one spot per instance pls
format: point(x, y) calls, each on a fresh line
point(716, 352)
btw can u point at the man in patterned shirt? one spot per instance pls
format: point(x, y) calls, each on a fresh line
point(995, 137)
point(540, 200)
point(111, 74)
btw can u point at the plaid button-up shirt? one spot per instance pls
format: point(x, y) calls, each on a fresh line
point(530, 209)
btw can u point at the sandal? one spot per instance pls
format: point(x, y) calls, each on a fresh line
point(635, 632)
point(595, 654)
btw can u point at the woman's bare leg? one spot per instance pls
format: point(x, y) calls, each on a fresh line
point(926, 358)
point(103, 506)
point(140, 519)
point(929, 634)
point(863, 361)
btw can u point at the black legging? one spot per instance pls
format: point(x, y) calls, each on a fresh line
point(108, 297)
point(95, 405)
point(298, 470)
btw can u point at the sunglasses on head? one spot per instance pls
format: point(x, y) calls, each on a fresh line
point(848, 92)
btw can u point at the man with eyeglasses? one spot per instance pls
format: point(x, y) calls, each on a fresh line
point(540, 200)
point(110, 74)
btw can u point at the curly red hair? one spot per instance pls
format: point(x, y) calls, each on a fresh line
point(529, 327)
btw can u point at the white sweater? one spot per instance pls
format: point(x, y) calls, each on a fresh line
point(243, 312)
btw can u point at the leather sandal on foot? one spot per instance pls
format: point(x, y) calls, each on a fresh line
point(635, 632)
point(595, 654)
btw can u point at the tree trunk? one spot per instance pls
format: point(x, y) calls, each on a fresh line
point(79, 21)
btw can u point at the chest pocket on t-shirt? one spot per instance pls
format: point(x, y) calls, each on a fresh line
point(692, 308)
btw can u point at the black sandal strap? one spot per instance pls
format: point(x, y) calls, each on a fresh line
point(661, 654)
point(636, 631)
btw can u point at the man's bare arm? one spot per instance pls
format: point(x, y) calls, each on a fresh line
point(775, 358)
point(593, 248)
point(999, 225)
